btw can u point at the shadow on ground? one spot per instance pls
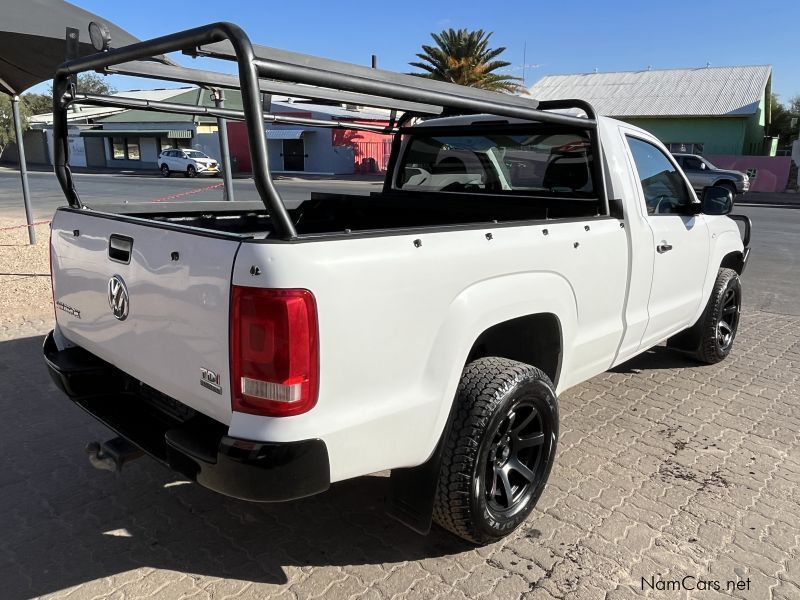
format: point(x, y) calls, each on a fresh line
point(65, 523)
point(659, 357)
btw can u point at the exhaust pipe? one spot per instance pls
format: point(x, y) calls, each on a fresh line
point(113, 454)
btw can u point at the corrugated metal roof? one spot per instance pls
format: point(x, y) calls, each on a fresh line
point(335, 112)
point(706, 91)
point(82, 112)
point(167, 133)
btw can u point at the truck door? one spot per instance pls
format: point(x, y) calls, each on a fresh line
point(681, 243)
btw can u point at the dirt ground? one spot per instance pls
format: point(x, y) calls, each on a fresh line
point(24, 273)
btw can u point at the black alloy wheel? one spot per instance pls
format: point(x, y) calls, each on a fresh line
point(499, 451)
point(514, 463)
point(728, 322)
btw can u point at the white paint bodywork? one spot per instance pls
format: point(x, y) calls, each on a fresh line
point(396, 319)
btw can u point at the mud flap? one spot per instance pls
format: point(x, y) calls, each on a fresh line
point(412, 490)
point(689, 339)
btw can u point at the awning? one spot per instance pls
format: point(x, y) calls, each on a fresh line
point(286, 134)
point(159, 133)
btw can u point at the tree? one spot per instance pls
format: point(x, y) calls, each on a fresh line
point(91, 83)
point(7, 133)
point(37, 104)
point(464, 57)
point(782, 116)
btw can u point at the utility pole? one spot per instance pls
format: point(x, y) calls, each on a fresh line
point(23, 168)
point(218, 96)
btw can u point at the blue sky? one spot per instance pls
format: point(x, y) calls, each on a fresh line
point(573, 37)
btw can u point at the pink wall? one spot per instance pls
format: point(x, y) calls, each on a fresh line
point(772, 172)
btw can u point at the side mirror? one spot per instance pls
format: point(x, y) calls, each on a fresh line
point(717, 201)
point(702, 166)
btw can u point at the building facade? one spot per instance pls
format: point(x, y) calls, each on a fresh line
point(132, 139)
point(708, 110)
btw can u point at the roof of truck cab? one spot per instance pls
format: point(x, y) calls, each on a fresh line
point(480, 118)
point(460, 120)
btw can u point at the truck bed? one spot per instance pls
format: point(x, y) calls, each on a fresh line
point(327, 213)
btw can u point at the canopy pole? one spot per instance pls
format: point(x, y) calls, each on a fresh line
point(218, 96)
point(23, 169)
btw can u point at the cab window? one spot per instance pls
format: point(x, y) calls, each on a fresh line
point(541, 161)
point(664, 189)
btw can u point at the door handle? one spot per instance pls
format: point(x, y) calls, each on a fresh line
point(661, 248)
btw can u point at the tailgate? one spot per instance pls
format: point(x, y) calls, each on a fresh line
point(158, 311)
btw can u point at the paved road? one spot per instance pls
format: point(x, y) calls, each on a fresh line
point(104, 188)
point(665, 469)
point(772, 277)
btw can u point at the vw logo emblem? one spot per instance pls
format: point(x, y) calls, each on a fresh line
point(118, 297)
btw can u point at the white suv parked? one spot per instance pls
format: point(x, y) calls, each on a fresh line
point(187, 161)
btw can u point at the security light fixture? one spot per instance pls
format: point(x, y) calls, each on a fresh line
point(100, 36)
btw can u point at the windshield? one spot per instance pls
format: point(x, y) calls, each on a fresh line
point(528, 160)
point(195, 154)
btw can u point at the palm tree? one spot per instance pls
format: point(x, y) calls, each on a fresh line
point(464, 57)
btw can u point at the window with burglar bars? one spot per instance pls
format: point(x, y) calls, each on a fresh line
point(125, 148)
point(686, 147)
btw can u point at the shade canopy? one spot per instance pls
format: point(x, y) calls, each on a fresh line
point(286, 134)
point(167, 133)
point(32, 39)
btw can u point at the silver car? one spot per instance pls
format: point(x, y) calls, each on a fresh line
point(702, 174)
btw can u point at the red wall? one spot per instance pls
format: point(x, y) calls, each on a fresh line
point(239, 146)
point(772, 172)
point(367, 144)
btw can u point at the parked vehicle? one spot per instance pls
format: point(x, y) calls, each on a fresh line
point(187, 161)
point(702, 174)
point(427, 329)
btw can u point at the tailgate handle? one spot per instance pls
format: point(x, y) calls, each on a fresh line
point(119, 248)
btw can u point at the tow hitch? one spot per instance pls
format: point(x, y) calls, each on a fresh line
point(111, 455)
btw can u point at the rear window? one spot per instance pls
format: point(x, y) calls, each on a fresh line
point(537, 162)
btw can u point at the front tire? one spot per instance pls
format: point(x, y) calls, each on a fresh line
point(720, 320)
point(500, 449)
point(728, 186)
point(191, 171)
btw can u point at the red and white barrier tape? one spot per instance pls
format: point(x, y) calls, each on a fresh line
point(25, 225)
point(189, 193)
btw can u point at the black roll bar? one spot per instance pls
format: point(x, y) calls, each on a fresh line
point(269, 70)
point(153, 70)
point(184, 40)
point(211, 111)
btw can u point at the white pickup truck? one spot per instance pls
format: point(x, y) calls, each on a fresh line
point(514, 252)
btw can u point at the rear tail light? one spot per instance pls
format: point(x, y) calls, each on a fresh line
point(274, 351)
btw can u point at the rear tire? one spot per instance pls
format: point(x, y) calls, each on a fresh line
point(500, 449)
point(165, 171)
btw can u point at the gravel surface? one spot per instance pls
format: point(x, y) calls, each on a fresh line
point(24, 273)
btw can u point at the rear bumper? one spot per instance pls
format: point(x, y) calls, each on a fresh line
point(186, 441)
